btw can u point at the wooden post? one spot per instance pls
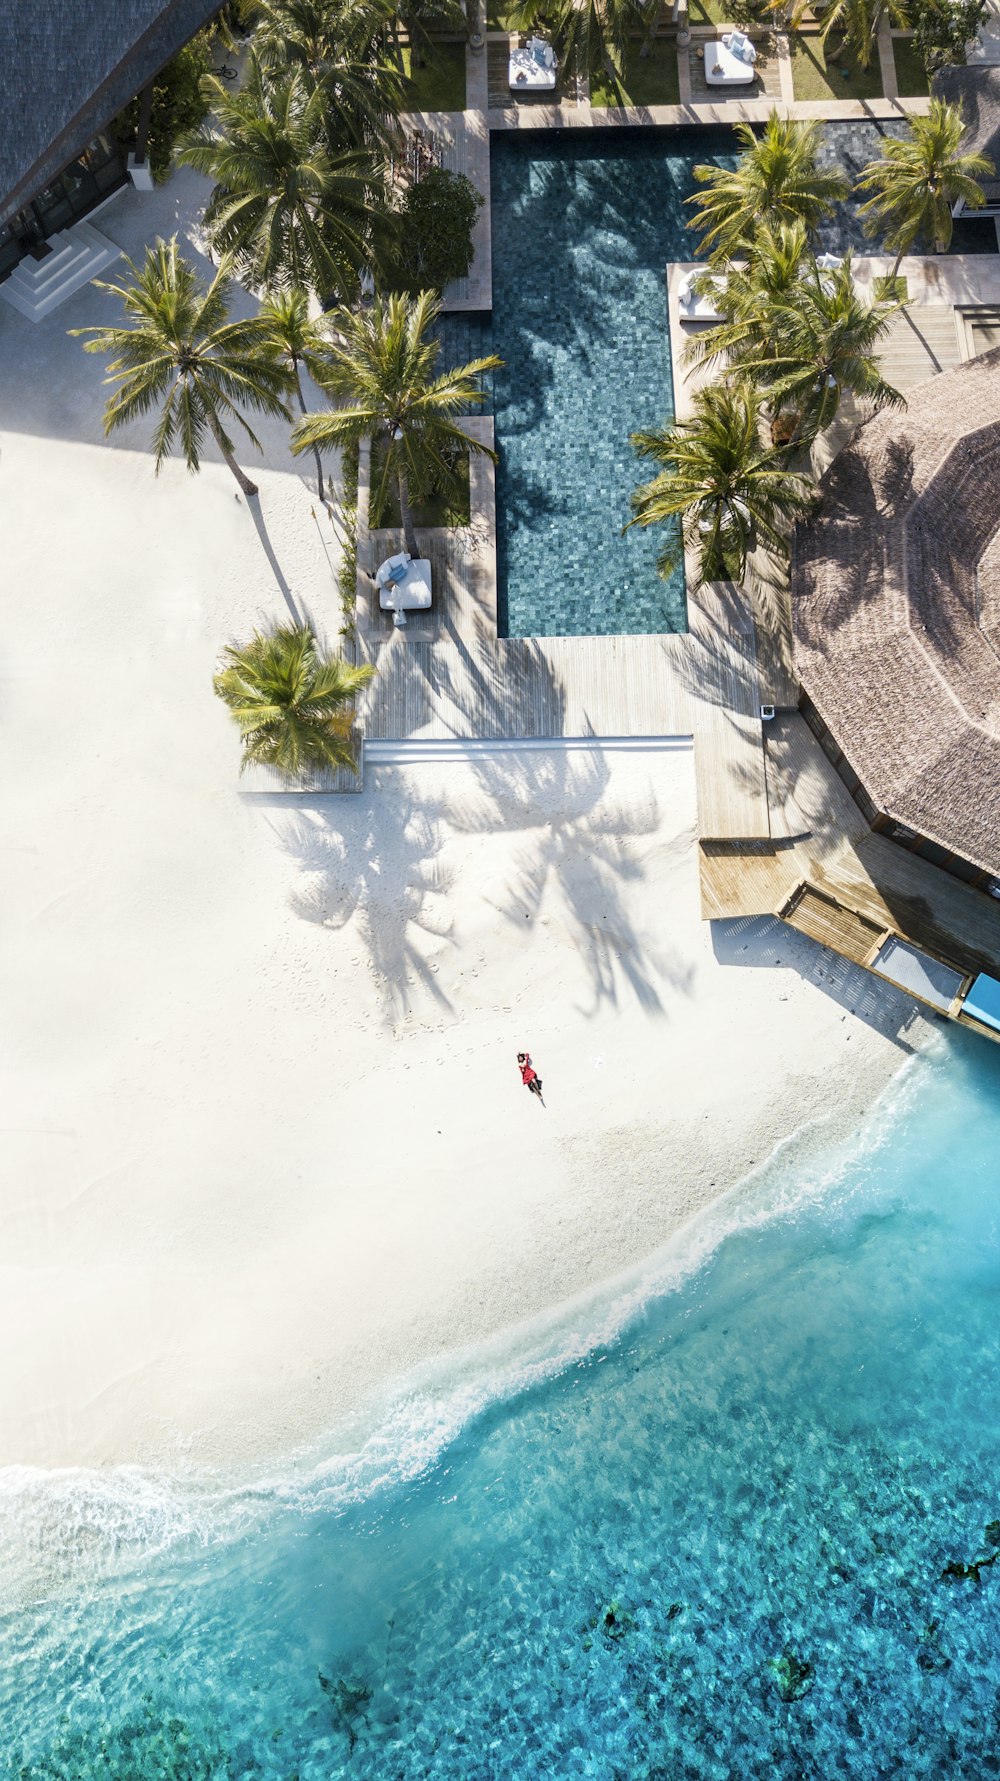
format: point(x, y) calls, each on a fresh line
point(142, 130)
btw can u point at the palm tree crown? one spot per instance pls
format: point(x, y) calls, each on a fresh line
point(381, 372)
point(297, 341)
point(776, 180)
point(919, 179)
point(338, 45)
point(746, 299)
point(180, 353)
point(292, 702)
point(589, 34)
point(815, 341)
point(288, 210)
point(730, 489)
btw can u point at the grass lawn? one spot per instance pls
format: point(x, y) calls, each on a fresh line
point(818, 72)
point(440, 84)
point(911, 75)
point(650, 82)
point(502, 15)
point(437, 510)
point(710, 12)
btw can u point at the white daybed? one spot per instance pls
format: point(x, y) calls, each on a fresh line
point(404, 585)
point(729, 62)
point(532, 67)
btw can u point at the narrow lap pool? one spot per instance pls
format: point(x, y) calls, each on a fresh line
point(582, 229)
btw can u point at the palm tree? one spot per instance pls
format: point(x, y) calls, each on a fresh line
point(289, 211)
point(293, 703)
point(182, 354)
point(748, 297)
point(918, 180)
point(776, 180)
point(823, 338)
point(296, 341)
point(339, 46)
point(858, 20)
point(590, 35)
point(381, 370)
point(730, 490)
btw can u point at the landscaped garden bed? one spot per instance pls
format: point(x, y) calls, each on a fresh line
point(439, 84)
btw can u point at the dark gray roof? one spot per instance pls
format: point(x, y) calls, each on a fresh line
point(68, 67)
point(896, 609)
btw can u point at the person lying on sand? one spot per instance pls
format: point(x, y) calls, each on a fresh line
point(529, 1075)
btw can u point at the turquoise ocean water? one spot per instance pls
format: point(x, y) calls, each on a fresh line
point(751, 1490)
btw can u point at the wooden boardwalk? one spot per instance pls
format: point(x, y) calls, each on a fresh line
point(728, 742)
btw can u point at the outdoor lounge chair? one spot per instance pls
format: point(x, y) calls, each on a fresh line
point(692, 306)
point(532, 67)
point(730, 61)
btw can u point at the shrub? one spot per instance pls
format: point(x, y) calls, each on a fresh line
point(179, 105)
point(436, 217)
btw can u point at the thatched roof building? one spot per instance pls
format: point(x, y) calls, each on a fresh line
point(896, 611)
point(975, 89)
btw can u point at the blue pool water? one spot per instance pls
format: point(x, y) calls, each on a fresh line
point(597, 1577)
point(583, 228)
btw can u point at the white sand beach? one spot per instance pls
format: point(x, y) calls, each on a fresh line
point(264, 1143)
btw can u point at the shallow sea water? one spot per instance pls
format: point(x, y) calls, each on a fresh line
point(597, 1577)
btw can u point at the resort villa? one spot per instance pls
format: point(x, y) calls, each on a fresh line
point(71, 68)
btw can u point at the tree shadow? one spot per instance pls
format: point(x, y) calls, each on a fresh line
point(386, 874)
point(260, 524)
point(763, 942)
point(587, 854)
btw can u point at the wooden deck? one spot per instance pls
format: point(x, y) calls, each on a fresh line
point(728, 744)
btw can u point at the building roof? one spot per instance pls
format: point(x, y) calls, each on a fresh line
point(69, 67)
point(896, 609)
point(976, 90)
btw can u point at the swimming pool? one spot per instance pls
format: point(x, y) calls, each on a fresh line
point(582, 229)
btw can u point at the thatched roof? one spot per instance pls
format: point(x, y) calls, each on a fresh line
point(976, 90)
point(896, 609)
point(69, 67)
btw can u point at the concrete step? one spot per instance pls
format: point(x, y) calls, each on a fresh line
point(36, 287)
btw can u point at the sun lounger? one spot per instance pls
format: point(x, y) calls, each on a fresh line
point(532, 67)
point(692, 306)
point(729, 62)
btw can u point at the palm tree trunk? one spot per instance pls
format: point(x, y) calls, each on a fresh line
point(894, 274)
point(406, 514)
point(302, 405)
point(249, 488)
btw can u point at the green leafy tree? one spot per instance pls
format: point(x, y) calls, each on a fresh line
point(293, 703)
point(297, 341)
point(822, 344)
point(776, 180)
point(382, 373)
point(179, 105)
point(919, 178)
point(589, 35)
point(288, 211)
point(180, 354)
point(942, 30)
point(729, 489)
point(340, 47)
point(436, 220)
